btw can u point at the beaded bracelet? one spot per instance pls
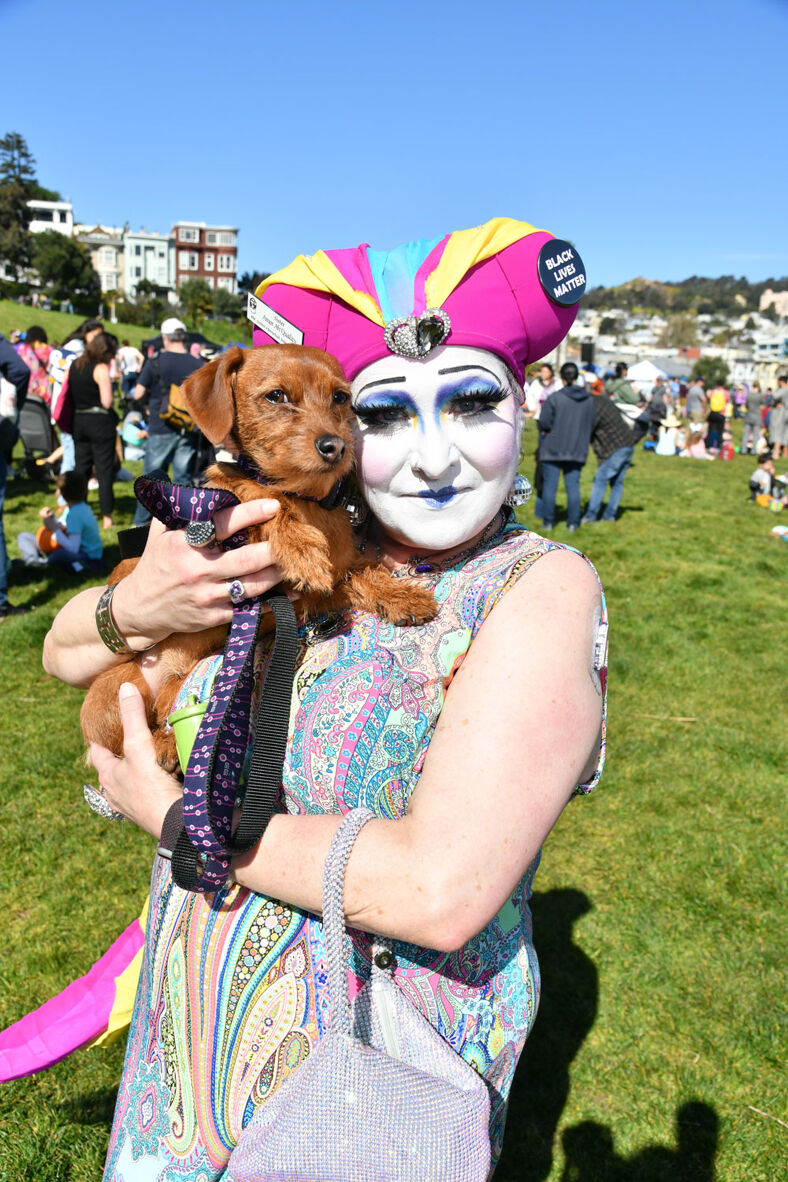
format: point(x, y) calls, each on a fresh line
point(106, 626)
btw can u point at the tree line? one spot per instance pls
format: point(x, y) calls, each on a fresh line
point(725, 295)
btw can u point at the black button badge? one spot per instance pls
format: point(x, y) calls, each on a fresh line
point(561, 272)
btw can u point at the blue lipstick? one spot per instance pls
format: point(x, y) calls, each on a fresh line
point(440, 496)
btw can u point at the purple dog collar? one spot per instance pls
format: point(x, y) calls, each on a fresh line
point(330, 501)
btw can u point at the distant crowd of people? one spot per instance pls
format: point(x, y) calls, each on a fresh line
point(611, 417)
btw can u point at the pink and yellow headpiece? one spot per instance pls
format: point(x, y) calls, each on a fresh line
point(504, 287)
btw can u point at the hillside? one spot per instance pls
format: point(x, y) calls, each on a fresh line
point(725, 294)
point(58, 325)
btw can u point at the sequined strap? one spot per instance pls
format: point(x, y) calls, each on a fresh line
point(334, 914)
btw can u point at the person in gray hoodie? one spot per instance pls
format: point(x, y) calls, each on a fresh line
point(565, 427)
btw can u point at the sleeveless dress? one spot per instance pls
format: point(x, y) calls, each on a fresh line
point(233, 992)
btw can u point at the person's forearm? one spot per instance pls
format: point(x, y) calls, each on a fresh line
point(400, 882)
point(68, 542)
point(73, 650)
point(171, 586)
point(389, 887)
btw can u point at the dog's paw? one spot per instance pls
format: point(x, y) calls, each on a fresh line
point(310, 572)
point(166, 751)
point(316, 581)
point(407, 603)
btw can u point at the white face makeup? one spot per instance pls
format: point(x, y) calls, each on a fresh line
point(437, 442)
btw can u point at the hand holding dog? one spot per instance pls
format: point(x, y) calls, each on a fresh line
point(135, 785)
point(175, 587)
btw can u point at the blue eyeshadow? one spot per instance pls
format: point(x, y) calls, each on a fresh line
point(466, 386)
point(384, 400)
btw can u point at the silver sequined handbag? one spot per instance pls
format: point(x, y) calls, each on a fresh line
point(382, 1097)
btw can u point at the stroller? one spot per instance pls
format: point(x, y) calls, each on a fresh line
point(38, 437)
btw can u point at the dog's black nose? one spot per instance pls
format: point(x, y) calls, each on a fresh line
point(331, 448)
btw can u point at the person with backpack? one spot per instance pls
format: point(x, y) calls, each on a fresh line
point(34, 350)
point(165, 446)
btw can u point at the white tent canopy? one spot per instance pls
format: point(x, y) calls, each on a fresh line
point(643, 375)
point(645, 371)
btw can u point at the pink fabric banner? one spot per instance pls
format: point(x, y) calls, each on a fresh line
point(76, 1016)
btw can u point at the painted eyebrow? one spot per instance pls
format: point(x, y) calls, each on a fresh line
point(381, 382)
point(463, 368)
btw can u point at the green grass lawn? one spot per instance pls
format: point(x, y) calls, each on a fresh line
point(659, 910)
point(58, 325)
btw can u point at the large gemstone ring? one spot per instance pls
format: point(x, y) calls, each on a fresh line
point(99, 803)
point(200, 534)
point(235, 589)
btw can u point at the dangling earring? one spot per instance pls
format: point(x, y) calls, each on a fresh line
point(519, 493)
point(356, 508)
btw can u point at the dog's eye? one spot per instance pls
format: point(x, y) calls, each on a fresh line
point(277, 396)
point(340, 397)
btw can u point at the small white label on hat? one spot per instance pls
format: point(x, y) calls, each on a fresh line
point(279, 329)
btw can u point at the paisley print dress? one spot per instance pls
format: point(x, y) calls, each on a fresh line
point(233, 994)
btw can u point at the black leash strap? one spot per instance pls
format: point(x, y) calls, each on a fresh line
point(271, 726)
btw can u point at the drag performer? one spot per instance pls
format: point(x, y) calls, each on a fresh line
point(466, 736)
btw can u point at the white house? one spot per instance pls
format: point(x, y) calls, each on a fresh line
point(148, 255)
point(51, 215)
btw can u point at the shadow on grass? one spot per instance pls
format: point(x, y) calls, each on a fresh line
point(590, 1156)
point(50, 580)
point(567, 1012)
point(92, 1108)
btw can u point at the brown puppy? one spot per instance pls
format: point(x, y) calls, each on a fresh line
point(287, 408)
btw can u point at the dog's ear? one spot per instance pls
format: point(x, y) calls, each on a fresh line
point(208, 394)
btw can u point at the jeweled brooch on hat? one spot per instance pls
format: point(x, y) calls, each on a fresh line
point(416, 336)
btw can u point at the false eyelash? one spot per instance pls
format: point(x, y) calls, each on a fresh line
point(473, 405)
point(371, 412)
point(482, 394)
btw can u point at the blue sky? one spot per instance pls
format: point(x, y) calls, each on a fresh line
point(652, 136)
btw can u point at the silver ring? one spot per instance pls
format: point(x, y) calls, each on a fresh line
point(99, 803)
point(200, 534)
point(235, 589)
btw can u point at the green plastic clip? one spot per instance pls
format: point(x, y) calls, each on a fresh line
point(186, 723)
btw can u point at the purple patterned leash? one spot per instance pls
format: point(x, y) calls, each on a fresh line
point(212, 776)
